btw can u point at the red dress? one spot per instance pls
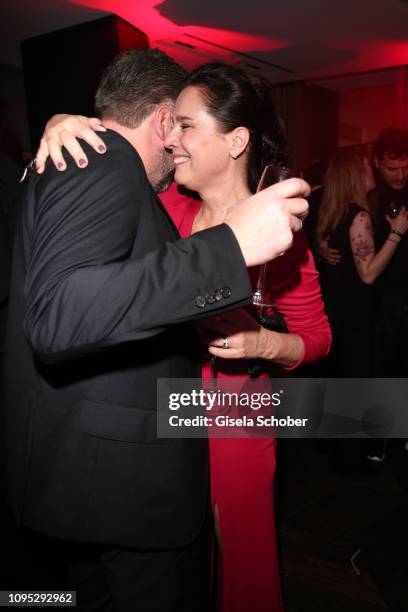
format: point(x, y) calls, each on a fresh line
point(242, 470)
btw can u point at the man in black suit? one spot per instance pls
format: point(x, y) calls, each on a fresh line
point(102, 291)
point(390, 194)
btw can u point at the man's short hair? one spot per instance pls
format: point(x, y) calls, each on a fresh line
point(393, 142)
point(134, 83)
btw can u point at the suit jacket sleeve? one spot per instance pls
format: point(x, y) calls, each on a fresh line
point(82, 290)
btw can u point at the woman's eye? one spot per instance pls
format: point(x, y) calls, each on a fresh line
point(184, 126)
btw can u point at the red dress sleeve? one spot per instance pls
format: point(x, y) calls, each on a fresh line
point(294, 285)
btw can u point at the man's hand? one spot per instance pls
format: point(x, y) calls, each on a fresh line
point(332, 256)
point(63, 131)
point(264, 223)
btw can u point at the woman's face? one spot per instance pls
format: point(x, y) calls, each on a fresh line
point(200, 151)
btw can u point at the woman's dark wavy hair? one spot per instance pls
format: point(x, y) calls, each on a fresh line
point(235, 98)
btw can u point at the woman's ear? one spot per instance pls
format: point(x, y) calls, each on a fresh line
point(163, 120)
point(238, 141)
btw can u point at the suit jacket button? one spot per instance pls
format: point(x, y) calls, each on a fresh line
point(210, 298)
point(218, 295)
point(226, 292)
point(200, 301)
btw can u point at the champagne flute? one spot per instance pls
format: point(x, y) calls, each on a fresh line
point(272, 173)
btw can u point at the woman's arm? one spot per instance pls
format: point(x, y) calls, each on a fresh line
point(287, 350)
point(247, 339)
point(331, 256)
point(296, 289)
point(64, 131)
point(370, 264)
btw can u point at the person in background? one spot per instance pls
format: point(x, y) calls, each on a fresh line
point(390, 329)
point(225, 132)
point(388, 196)
point(346, 223)
point(386, 200)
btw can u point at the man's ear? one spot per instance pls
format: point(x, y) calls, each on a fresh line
point(238, 141)
point(163, 120)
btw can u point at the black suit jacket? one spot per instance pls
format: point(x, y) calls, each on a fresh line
point(102, 289)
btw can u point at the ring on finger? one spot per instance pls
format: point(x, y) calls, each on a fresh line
point(225, 343)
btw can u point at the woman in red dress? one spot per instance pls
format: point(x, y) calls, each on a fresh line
point(225, 131)
point(243, 469)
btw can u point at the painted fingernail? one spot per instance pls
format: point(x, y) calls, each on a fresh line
point(102, 148)
point(60, 166)
point(82, 162)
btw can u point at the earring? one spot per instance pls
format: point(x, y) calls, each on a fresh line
point(233, 155)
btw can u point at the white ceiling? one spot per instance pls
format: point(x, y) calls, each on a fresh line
point(306, 38)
